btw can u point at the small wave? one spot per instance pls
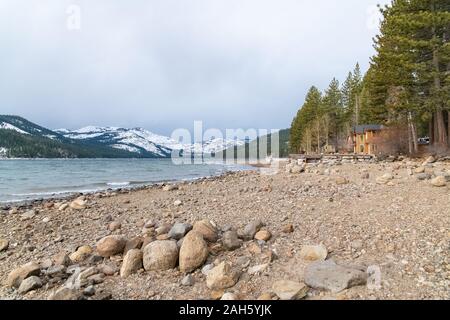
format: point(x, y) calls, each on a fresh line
point(13, 201)
point(38, 193)
point(52, 193)
point(118, 184)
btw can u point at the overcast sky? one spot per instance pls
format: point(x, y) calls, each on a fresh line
point(161, 64)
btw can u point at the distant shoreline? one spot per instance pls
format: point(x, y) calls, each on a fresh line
point(70, 195)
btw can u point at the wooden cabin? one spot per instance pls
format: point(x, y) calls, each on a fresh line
point(365, 139)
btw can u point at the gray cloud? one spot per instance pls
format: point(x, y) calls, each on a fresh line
point(163, 64)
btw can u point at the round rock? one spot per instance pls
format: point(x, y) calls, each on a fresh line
point(111, 245)
point(207, 230)
point(314, 253)
point(193, 252)
point(131, 263)
point(160, 255)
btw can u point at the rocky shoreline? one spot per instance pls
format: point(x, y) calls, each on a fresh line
point(70, 196)
point(332, 230)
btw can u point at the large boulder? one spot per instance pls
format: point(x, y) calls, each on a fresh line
point(193, 252)
point(222, 277)
point(160, 255)
point(289, 290)
point(179, 230)
point(131, 263)
point(111, 245)
point(17, 275)
point(207, 230)
point(327, 275)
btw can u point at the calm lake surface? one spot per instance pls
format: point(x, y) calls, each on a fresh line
point(27, 179)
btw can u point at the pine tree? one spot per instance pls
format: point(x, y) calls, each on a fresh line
point(410, 67)
point(347, 99)
point(373, 107)
point(302, 125)
point(334, 112)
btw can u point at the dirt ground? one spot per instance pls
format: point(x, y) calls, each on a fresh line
point(401, 227)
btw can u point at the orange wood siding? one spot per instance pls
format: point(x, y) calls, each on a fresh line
point(364, 143)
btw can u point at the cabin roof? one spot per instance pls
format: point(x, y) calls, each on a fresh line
point(367, 127)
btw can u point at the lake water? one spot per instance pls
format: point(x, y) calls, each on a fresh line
point(28, 179)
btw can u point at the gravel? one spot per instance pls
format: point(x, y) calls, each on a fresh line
point(400, 230)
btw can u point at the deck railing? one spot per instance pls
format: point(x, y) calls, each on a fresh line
point(338, 156)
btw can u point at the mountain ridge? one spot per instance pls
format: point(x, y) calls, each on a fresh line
point(21, 138)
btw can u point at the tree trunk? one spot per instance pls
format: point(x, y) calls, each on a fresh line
point(410, 142)
point(431, 129)
point(318, 136)
point(441, 131)
point(435, 130)
point(310, 141)
point(415, 138)
point(448, 125)
point(336, 142)
point(414, 147)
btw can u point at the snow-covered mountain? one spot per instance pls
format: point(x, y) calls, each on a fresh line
point(20, 138)
point(23, 126)
point(138, 140)
point(7, 126)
